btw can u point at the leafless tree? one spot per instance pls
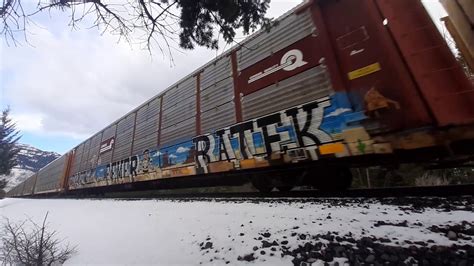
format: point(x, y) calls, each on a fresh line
point(28, 243)
point(168, 24)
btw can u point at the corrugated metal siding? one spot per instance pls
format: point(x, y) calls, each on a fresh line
point(216, 72)
point(49, 178)
point(106, 157)
point(19, 190)
point(146, 130)
point(85, 155)
point(180, 131)
point(182, 110)
point(123, 140)
point(76, 165)
point(184, 90)
point(29, 185)
point(310, 85)
point(13, 192)
point(179, 113)
point(218, 117)
point(93, 151)
point(179, 103)
point(289, 30)
point(217, 94)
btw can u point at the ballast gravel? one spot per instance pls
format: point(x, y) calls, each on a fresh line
point(323, 231)
point(333, 248)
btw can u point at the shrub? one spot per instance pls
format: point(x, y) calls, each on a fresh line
point(28, 243)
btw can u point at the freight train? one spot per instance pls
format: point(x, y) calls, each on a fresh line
point(330, 86)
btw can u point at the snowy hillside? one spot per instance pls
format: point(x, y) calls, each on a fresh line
point(30, 160)
point(33, 159)
point(392, 231)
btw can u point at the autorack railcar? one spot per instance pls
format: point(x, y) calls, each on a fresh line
point(332, 85)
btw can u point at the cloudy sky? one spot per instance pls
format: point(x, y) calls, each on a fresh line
point(68, 84)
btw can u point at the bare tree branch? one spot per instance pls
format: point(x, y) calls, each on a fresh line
point(165, 24)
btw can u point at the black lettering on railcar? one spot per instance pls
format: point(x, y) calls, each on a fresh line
point(263, 123)
point(225, 149)
point(305, 121)
point(133, 165)
point(310, 129)
point(202, 158)
point(240, 129)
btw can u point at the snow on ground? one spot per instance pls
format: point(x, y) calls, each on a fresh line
point(174, 232)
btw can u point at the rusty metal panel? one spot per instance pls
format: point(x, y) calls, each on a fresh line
point(29, 185)
point(179, 131)
point(108, 135)
point(76, 164)
point(181, 110)
point(123, 140)
point(215, 72)
point(218, 117)
point(217, 94)
point(287, 31)
point(49, 178)
point(304, 87)
point(85, 156)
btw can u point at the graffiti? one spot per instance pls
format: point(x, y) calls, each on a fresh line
point(145, 166)
point(279, 132)
point(304, 132)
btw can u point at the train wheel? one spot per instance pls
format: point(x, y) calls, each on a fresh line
point(262, 183)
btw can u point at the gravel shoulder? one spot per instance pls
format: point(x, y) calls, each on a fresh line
point(329, 231)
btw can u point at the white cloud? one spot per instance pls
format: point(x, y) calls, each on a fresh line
point(338, 111)
point(78, 84)
point(27, 122)
point(182, 150)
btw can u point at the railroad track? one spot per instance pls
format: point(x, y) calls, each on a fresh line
point(428, 191)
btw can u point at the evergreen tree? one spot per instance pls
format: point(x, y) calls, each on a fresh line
point(9, 136)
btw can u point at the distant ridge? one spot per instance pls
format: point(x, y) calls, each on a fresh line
point(30, 160)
